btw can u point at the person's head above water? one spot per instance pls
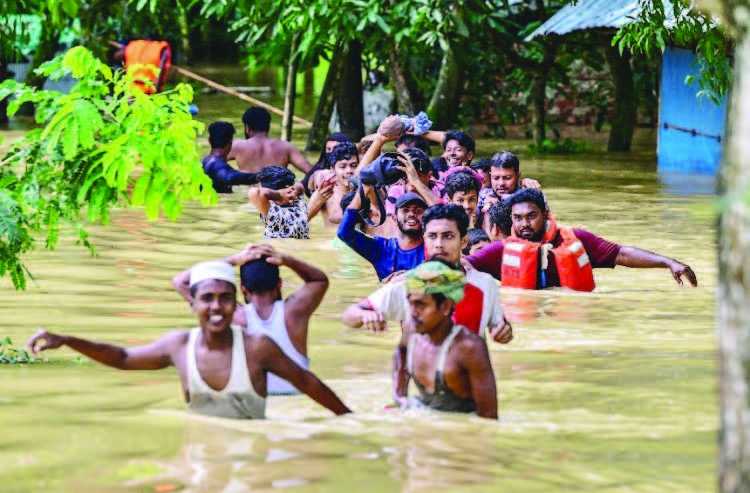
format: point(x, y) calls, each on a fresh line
point(476, 239)
point(256, 120)
point(220, 135)
point(410, 208)
point(445, 227)
point(458, 148)
point(462, 188)
point(528, 213)
point(505, 173)
point(501, 223)
point(343, 161)
point(335, 139)
point(260, 277)
point(213, 287)
point(433, 289)
point(276, 177)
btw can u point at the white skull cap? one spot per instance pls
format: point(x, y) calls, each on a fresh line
point(215, 269)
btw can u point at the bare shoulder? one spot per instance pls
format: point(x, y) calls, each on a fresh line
point(256, 343)
point(174, 339)
point(470, 344)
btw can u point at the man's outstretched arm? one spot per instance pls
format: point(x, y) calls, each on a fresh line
point(298, 160)
point(154, 356)
point(274, 360)
point(643, 259)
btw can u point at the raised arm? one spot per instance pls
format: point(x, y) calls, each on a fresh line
point(306, 299)
point(373, 151)
point(181, 283)
point(366, 246)
point(298, 160)
point(274, 360)
point(476, 360)
point(630, 256)
point(154, 356)
point(259, 199)
point(437, 136)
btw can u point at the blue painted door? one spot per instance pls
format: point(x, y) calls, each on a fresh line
point(691, 129)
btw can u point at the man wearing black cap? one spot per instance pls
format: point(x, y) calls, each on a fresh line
point(388, 255)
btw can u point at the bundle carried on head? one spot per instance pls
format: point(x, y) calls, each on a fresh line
point(401, 124)
point(435, 277)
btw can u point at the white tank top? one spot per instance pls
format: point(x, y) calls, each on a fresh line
point(275, 328)
point(238, 398)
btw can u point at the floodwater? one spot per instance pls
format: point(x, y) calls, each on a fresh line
point(613, 391)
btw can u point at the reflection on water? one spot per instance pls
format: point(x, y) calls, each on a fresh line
point(608, 391)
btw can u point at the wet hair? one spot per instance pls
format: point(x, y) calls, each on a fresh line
point(460, 181)
point(475, 235)
point(499, 213)
point(220, 134)
point(532, 195)
point(344, 150)
point(322, 163)
point(452, 212)
point(462, 138)
point(414, 142)
point(275, 177)
point(194, 288)
point(505, 159)
point(481, 165)
point(420, 160)
point(258, 276)
point(257, 119)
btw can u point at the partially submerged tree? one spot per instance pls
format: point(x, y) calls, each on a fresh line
point(101, 145)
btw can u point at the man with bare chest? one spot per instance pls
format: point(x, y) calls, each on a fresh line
point(258, 150)
point(450, 366)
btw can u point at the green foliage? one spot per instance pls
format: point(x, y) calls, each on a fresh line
point(565, 146)
point(10, 355)
point(678, 22)
point(103, 144)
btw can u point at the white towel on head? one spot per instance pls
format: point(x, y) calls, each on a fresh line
point(215, 269)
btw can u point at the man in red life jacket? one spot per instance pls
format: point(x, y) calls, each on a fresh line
point(148, 61)
point(540, 254)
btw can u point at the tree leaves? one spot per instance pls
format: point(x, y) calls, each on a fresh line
point(95, 143)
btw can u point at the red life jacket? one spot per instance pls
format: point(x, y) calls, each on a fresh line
point(468, 311)
point(143, 59)
point(522, 260)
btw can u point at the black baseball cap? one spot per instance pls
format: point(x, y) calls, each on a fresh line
point(410, 198)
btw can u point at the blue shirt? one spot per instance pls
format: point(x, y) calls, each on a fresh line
point(383, 253)
point(224, 176)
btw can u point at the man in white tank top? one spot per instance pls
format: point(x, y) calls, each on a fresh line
point(223, 370)
point(286, 321)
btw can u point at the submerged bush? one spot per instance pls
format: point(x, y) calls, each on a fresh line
point(10, 355)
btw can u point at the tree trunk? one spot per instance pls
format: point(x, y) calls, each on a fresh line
point(734, 286)
point(404, 100)
point(309, 89)
point(349, 100)
point(4, 74)
point(290, 92)
point(185, 54)
point(319, 131)
point(444, 102)
point(626, 100)
point(539, 91)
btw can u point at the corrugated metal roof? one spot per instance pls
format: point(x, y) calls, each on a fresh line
point(589, 14)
